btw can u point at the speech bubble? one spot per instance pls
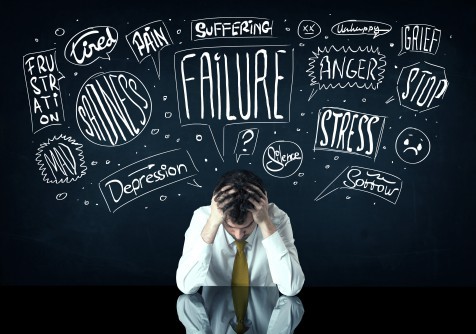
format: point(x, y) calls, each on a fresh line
point(282, 158)
point(246, 142)
point(231, 27)
point(421, 86)
point(308, 29)
point(91, 44)
point(42, 78)
point(371, 181)
point(144, 176)
point(113, 108)
point(149, 39)
point(420, 38)
point(61, 160)
point(347, 131)
point(361, 27)
point(221, 86)
point(332, 67)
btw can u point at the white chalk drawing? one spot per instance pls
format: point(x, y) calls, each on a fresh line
point(371, 181)
point(42, 78)
point(231, 27)
point(149, 39)
point(308, 29)
point(332, 67)
point(412, 145)
point(59, 32)
point(144, 176)
point(61, 160)
point(348, 131)
point(91, 44)
point(112, 108)
point(282, 158)
point(361, 27)
point(61, 196)
point(421, 86)
point(195, 184)
point(390, 99)
point(221, 86)
point(420, 38)
point(246, 142)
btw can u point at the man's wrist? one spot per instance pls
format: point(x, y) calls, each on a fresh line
point(267, 228)
point(214, 221)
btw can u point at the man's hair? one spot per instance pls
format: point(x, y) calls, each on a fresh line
point(237, 209)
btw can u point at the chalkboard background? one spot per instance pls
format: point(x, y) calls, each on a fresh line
point(59, 229)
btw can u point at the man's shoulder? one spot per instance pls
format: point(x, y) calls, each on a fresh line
point(203, 210)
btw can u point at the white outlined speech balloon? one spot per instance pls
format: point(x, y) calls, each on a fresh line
point(361, 27)
point(371, 181)
point(91, 44)
point(246, 142)
point(149, 39)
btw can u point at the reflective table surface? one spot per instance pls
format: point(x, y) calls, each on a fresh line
point(164, 309)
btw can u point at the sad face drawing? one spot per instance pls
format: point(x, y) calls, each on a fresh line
point(412, 146)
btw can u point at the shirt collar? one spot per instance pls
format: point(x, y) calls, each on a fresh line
point(250, 241)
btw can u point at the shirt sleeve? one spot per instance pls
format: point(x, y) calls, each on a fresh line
point(283, 259)
point(196, 255)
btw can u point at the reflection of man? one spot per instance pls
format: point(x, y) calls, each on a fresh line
point(240, 221)
point(213, 311)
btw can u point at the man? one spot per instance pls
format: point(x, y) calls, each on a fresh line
point(240, 218)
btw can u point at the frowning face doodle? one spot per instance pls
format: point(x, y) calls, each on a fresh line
point(412, 145)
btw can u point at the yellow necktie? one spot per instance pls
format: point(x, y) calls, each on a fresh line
point(240, 303)
point(240, 275)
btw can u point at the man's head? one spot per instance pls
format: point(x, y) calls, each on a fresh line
point(238, 221)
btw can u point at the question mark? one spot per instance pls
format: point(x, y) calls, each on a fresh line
point(248, 140)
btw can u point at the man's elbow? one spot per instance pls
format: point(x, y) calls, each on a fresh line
point(291, 289)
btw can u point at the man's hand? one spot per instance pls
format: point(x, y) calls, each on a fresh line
point(259, 200)
point(219, 204)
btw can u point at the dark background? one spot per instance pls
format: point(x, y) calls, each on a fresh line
point(425, 240)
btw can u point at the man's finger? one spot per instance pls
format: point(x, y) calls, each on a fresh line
point(255, 191)
point(255, 203)
point(224, 192)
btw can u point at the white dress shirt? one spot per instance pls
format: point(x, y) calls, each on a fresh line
point(271, 261)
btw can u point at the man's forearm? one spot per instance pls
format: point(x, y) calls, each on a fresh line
point(210, 230)
point(267, 228)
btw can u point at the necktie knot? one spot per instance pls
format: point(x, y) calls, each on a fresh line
point(240, 245)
